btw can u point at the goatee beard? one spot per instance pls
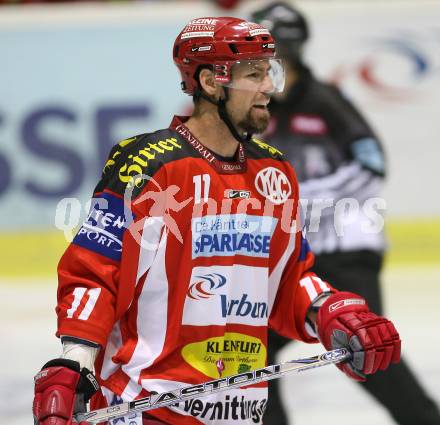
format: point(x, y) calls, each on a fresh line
point(251, 125)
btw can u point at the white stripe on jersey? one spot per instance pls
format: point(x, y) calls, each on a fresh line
point(150, 240)
point(275, 276)
point(114, 343)
point(149, 244)
point(151, 327)
point(349, 181)
point(315, 187)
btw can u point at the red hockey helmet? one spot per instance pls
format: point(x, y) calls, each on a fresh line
point(223, 42)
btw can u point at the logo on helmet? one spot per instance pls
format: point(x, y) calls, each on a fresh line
point(254, 29)
point(203, 21)
point(246, 39)
point(201, 48)
point(202, 27)
point(221, 72)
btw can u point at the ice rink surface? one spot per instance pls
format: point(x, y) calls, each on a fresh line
point(318, 396)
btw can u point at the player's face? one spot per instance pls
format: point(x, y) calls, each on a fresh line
point(248, 100)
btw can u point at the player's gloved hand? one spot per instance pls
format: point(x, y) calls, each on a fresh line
point(344, 320)
point(62, 389)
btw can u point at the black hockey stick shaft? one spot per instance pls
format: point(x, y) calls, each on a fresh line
point(201, 390)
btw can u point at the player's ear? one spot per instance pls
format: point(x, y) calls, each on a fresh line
point(208, 83)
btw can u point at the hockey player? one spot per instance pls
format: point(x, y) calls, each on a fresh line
point(335, 155)
point(191, 252)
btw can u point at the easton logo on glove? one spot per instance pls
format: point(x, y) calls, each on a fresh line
point(343, 303)
point(39, 375)
point(92, 380)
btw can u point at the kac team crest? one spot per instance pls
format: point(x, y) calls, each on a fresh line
point(273, 184)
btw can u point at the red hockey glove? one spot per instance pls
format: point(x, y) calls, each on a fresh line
point(344, 320)
point(62, 390)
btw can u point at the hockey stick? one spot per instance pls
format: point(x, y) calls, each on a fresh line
point(200, 390)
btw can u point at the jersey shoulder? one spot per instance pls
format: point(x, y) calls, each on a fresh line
point(257, 149)
point(133, 160)
point(328, 94)
point(333, 99)
point(344, 116)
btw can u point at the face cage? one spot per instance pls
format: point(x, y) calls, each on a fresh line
point(265, 75)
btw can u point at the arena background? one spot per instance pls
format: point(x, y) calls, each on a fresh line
point(77, 77)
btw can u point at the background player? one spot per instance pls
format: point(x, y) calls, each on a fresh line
point(335, 155)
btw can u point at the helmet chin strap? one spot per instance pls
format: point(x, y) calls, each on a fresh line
point(223, 113)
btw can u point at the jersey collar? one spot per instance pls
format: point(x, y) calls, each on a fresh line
point(237, 166)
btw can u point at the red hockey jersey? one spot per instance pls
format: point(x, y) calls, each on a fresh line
point(183, 262)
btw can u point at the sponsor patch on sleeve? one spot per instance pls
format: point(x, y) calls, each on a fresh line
point(104, 228)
